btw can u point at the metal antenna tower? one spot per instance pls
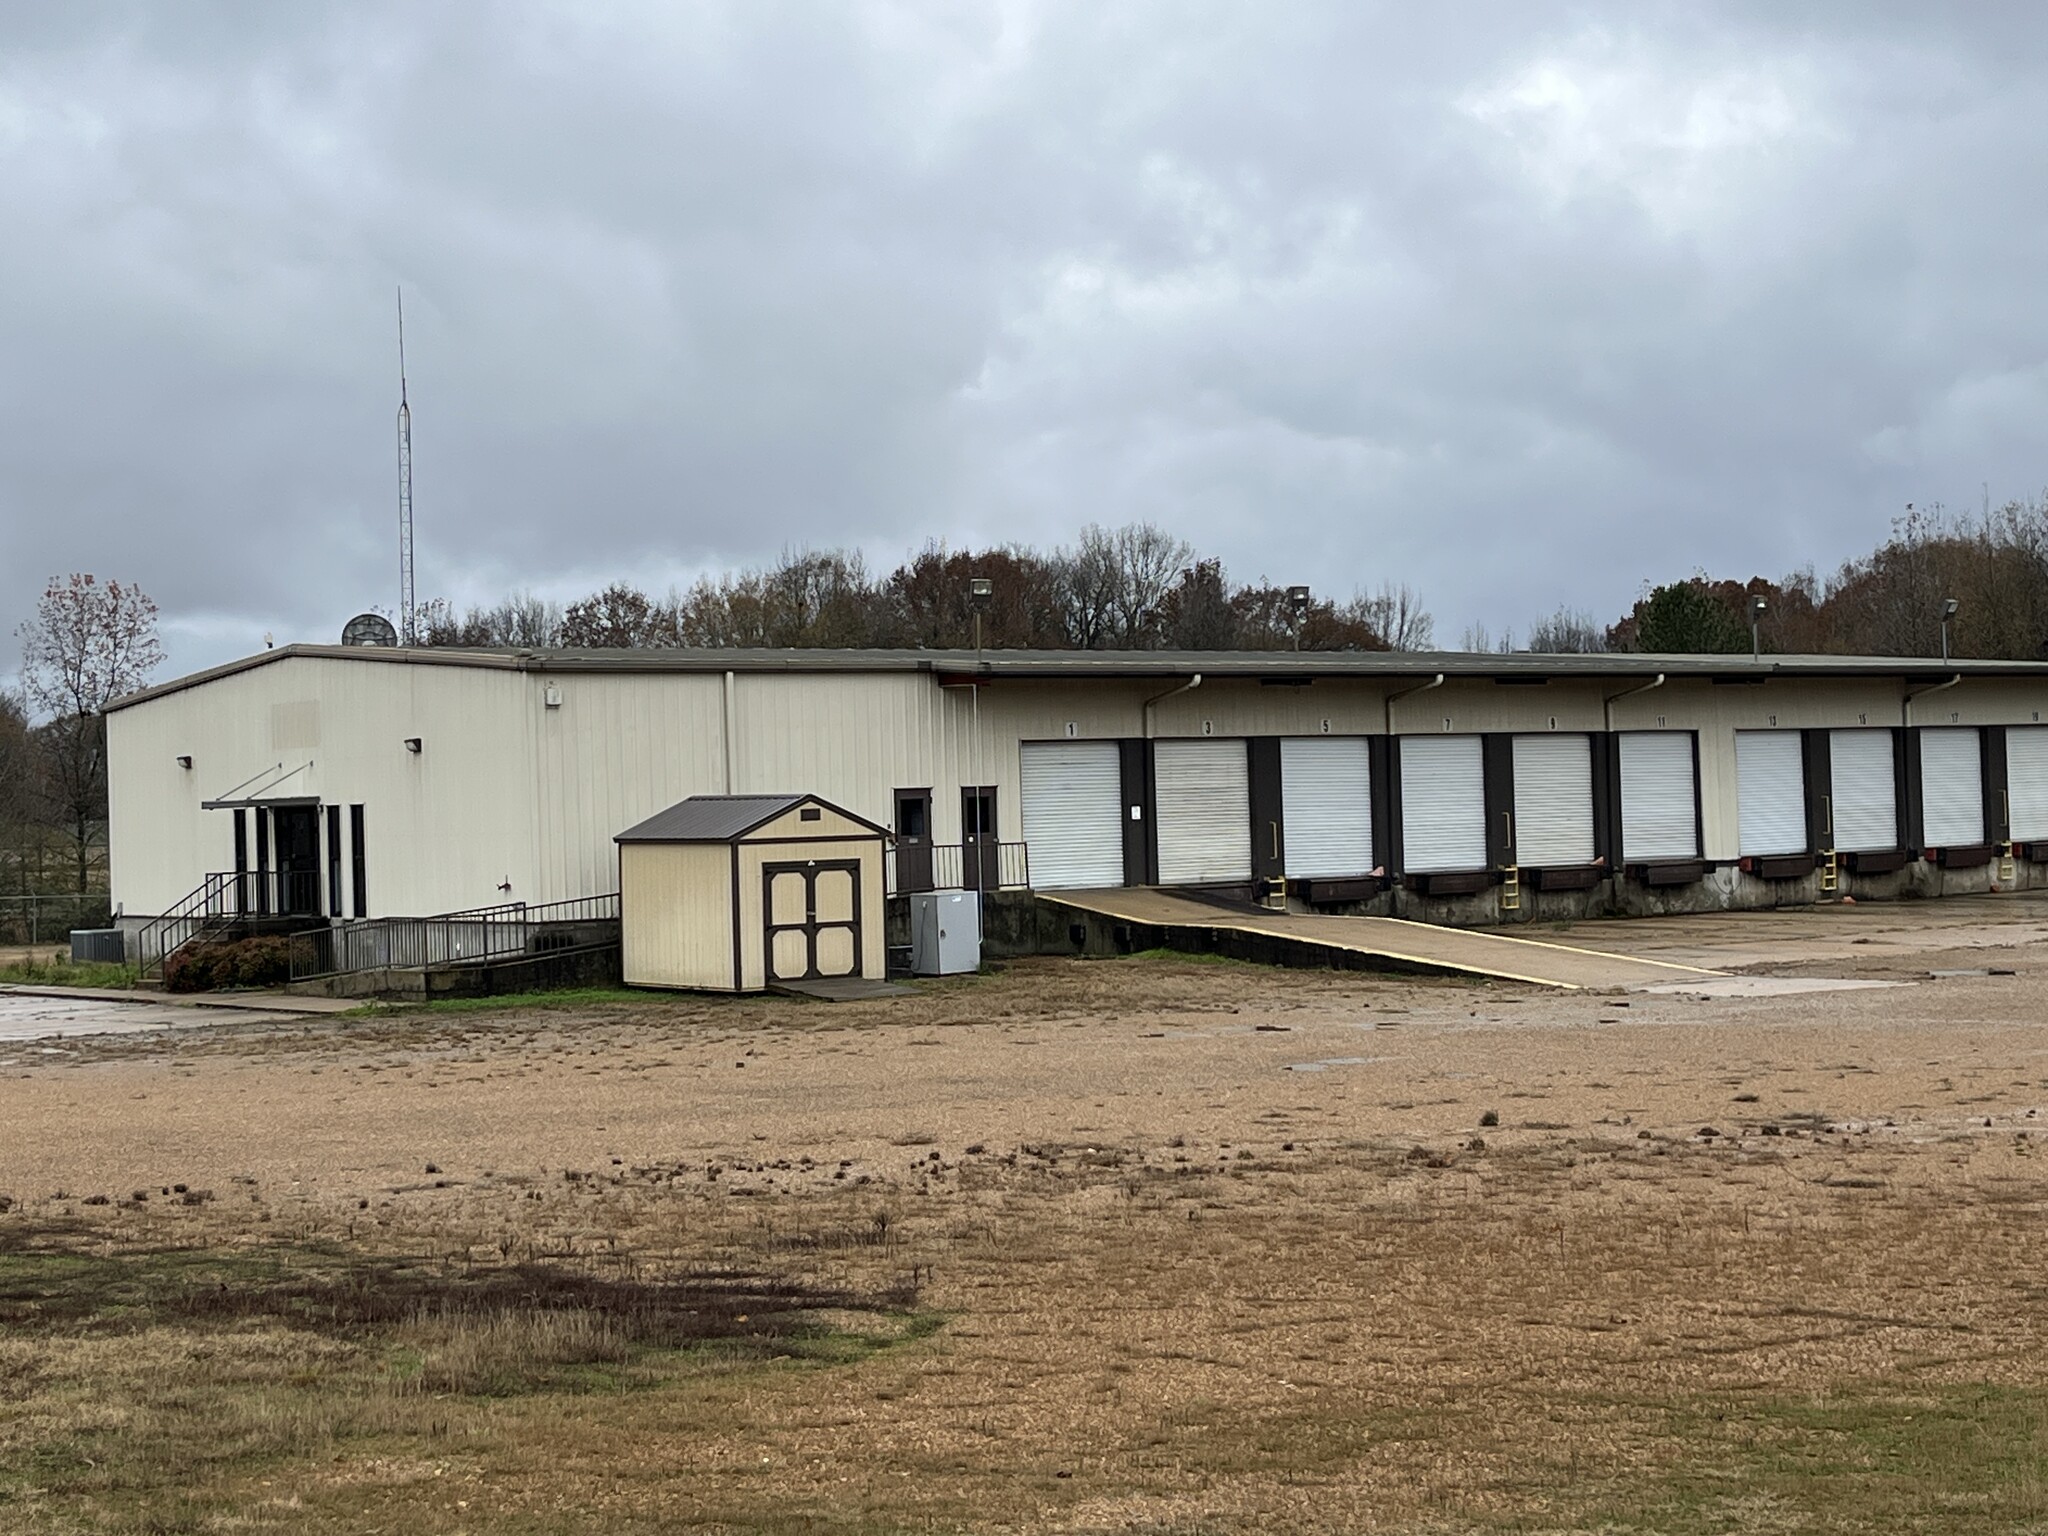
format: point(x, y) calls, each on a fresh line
point(408, 633)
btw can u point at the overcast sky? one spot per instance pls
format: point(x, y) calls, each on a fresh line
point(1520, 303)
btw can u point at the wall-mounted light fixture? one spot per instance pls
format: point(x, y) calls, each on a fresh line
point(412, 744)
point(184, 759)
point(551, 696)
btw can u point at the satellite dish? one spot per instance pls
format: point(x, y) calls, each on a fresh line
point(368, 629)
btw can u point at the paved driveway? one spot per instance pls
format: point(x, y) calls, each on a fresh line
point(25, 1016)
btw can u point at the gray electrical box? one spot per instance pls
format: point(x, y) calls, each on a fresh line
point(945, 932)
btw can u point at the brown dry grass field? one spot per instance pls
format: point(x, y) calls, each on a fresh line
point(1140, 1245)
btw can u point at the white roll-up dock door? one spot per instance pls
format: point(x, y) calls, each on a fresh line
point(1204, 795)
point(1553, 800)
point(1864, 795)
point(2026, 781)
point(1770, 786)
point(1073, 813)
point(1326, 798)
point(1952, 787)
point(1659, 815)
point(1443, 803)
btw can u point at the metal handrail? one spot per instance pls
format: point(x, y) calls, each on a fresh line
point(450, 938)
point(947, 867)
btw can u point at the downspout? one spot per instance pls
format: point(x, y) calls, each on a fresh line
point(1607, 704)
point(1906, 703)
point(1145, 711)
point(731, 734)
point(1402, 693)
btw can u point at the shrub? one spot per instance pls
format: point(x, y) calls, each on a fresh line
point(209, 964)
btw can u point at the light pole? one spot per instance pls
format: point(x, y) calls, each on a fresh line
point(1757, 606)
point(1297, 599)
point(1948, 611)
point(980, 593)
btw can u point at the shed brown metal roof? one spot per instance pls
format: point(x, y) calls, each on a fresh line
point(725, 818)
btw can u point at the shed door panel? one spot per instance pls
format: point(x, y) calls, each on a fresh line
point(1553, 800)
point(1659, 819)
point(1326, 801)
point(1952, 787)
point(1864, 795)
point(2026, 780)
point(1073, 813)
point(1204, 810)
point(1443, 803)
point(1770, 784)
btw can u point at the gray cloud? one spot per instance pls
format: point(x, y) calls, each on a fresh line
point(1523, 304)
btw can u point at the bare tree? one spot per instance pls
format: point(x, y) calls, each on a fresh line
point(1568, 632)
point(1396, 615)
point(89, 643)
point(1479, 640)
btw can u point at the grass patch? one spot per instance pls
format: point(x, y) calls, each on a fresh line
point(1188, 957)
point(1960, 1460)
point(60, 972)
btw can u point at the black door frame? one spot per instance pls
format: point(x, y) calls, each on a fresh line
point(810, 927)
point(980, 853)
point(298, 867)
point(914, 872)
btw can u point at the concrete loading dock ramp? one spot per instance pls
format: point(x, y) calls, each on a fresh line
point(1169, 920)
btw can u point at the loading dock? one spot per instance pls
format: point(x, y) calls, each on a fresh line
point(737, 893)
point(1326, 804)
point(1864, 801)
point(1443, 804)
point(1553, 816)
point(1952, 787)
point(1072, 795)
point(1203, 811)
point(1659, 797)
point(1770, 786)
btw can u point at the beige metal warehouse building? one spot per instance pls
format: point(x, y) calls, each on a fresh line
point(339, 783)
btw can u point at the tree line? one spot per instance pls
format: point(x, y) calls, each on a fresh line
point(1130, 588)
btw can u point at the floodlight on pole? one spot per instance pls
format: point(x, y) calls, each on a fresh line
point(1758, 605)
point(1948, 611)
point(1297, 599)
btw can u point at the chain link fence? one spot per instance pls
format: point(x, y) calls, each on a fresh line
point(50, 919)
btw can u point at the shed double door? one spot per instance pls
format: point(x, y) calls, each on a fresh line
point(812, 913)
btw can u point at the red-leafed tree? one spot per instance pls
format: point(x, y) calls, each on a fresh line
point(90, 642)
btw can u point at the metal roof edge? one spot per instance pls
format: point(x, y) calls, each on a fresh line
point(1072, 665)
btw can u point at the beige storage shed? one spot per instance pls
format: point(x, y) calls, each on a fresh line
point(735, 893)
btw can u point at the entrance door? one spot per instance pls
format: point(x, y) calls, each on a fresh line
point(913, 839)
point(297, 829)
point(812, 919)
point(979, 854)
